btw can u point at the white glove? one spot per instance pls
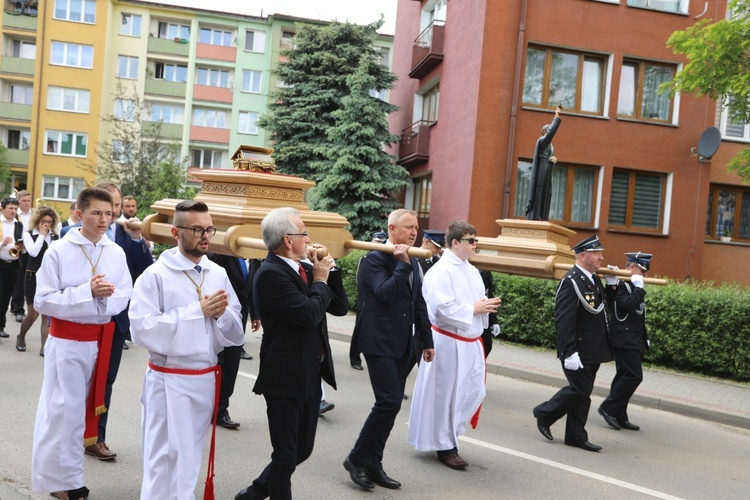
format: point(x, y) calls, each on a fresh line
point(495, 330)
point(573, 362)
point(637, 280)
point(611, 279)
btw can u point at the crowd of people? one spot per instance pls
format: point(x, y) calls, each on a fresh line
point(437, 314)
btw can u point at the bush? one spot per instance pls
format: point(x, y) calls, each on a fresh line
point(348, 266)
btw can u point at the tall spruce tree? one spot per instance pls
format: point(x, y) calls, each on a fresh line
point(315, 82)
point(361, 179)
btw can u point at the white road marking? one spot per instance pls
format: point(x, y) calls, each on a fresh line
point(247, 375)
point(568, 468)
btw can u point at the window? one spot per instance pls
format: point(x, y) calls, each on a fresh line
point(215, 37)
point(734, 127)
point(678, 6)
point(125, 110)
point(422, 196)
point(174, 31)
point(639, 91)
point(248, 123)
point(23, 49)
point(439, 10)
point(72, 54)
point(573, 79)
point(166, 113)
point(255, 41)
point(122, 152)
point(66, 143)
point(287, 40)
point(81, 11)
point(18, 139)
point(170, 72)
point(65, 99)
point(637, 200)
point(251, 80)
point(728, 212)
point(212, 118)
point(61, 188)
point(21, 94)
point(127, 67)
point(430, 103)
point(213, 77)
point(573, 193)
point(207, 158)
point(130, 25)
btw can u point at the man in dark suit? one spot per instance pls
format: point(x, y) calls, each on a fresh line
point(582, 345)
point(393, 310)
point(629, 340)
point(292, 299)
point(240, 274)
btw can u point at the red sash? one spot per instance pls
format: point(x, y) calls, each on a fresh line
point(475, 418)
point(102, 335)
point(208, 491)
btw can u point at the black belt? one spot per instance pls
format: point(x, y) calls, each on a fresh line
point(9, 261)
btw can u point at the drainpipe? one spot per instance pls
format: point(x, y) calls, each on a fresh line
point(509, 162)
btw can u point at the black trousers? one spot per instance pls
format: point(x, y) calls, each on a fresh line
point(292, 425)
point(17, 301)
point(8, 278)
point(118, 338)
point(388, 378)
point(627, 379)
point(229, 360)
point(574, 400)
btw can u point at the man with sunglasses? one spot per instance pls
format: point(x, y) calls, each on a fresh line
point(184, 312)
point(449, 391)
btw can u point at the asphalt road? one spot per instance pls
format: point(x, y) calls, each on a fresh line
point(671, 457)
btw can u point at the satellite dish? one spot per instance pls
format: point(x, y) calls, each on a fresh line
point(709, 143)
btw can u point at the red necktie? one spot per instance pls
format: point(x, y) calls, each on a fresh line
point(303, 274)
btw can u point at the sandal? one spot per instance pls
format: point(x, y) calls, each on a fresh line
point(20, 348)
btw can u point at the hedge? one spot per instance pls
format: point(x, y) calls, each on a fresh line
point(693, 326)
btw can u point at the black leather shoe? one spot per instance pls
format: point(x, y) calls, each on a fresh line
point(379, 477)
point(611, 421)
point(627, 425)
point(358, 475)
point(357, 366)
point(544, 429)
point(227, 422)
point(125, 346)
point(584, 445)
point(19, 318)
point(3, 334)
point(245, 355)
point(247, 494)
point(325, 406)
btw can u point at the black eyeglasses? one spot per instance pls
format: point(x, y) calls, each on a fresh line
point(297, 234)
point(470, 240)
point(198, 232)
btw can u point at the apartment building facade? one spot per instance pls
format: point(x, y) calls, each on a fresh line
point(478, 80)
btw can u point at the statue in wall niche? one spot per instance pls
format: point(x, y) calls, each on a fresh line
point(540, 187)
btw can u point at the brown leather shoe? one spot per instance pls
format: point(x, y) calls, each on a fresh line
point(100, 451)
point(454, 461)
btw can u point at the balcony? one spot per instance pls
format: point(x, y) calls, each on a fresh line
point(17, 21)
point(17, 157)
point(166, 88)
point(214, 94)
point(15, 112)
point(216, 52)
point(209, 134)
point(427, 52)
point(17, 65)
point(414, 146)
point(163, 130)
point(176, 47)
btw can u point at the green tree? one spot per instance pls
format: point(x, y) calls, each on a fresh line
point(718, 67)
point(4, 169)
point(362, 178)
point(315, 82)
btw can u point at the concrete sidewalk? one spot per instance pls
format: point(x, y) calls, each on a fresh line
point(693, 396)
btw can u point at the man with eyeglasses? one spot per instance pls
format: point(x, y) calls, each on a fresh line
point(292, 298)
point(449, 391)
point(184, 312)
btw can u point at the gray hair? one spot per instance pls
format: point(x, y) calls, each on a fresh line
point(396, 216)
point(276, 225)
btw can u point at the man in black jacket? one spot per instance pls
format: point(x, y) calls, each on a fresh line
point(582, 344)
point(629, 340)
point(292, 299)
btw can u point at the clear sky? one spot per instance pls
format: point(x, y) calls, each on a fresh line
point(355, 11)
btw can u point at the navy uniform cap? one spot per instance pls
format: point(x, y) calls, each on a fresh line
point(379, 237)
point(642, 260)
point(436, 236)
point(590, 244)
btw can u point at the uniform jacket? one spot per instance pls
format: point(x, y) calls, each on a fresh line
point(295, 332)
point(138, 255)
point(628, 325)
point(393, 318)
point(581, 318)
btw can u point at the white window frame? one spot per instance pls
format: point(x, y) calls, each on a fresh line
point(156, 113)
point(79, 98)
point(121, 153)
point(67, 50)
point(88, 8)
point(131, 65)
point(131, 27)
point(75, 186)
point(258, 41)
point(248, 122)
point(211, 118)
point(223, 35)
point(254, 79)
point(125, 110)
point(21, 47)
point(205, 76)
point(175, 29)
point(25, 91)
point(655, 4)
point(24, 139)
point(724, 124)
point(164, 68)
point(56, 136)
point(221, 160)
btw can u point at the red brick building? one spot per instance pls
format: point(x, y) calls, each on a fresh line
point(478, 80)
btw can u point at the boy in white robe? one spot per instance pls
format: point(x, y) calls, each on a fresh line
point(449, 391)
point(184, 311)
point(83, 282)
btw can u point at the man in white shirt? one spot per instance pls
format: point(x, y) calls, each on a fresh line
point(24, 214)
point(12, 231)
